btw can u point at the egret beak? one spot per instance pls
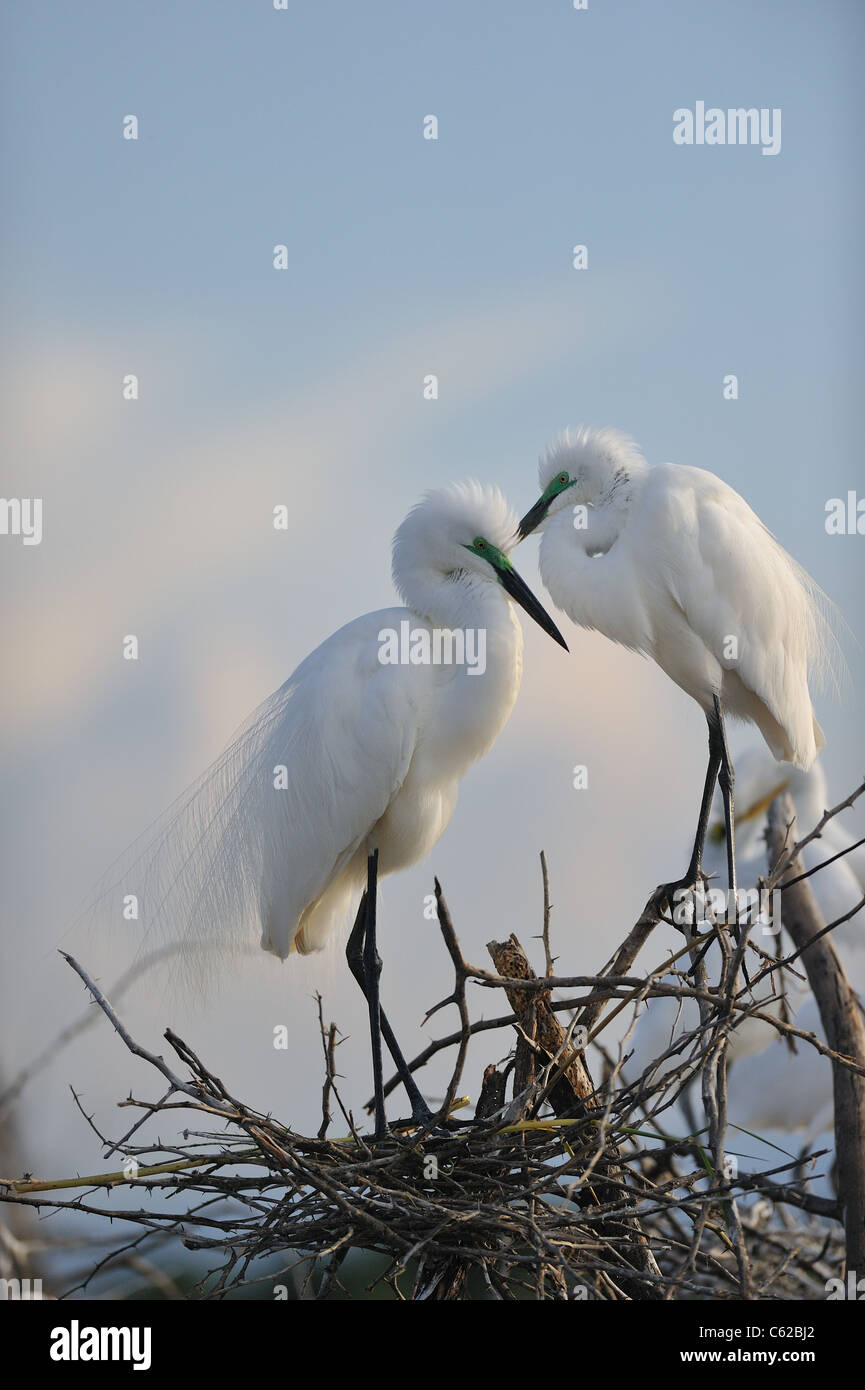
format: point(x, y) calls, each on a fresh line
point(534, 516)
point(762, 805)
point(522, 594)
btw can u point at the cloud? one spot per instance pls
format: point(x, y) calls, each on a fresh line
point(148, 512)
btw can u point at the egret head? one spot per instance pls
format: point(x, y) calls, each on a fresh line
point(581, 467)
point(462, 534)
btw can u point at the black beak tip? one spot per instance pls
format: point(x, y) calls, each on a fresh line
point(533, 518)
point(522, 594)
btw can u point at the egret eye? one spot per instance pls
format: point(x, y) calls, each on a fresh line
point(563, 479)
point(480, 543)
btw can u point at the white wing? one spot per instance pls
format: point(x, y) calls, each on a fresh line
point(270, 824)
point(731, 578)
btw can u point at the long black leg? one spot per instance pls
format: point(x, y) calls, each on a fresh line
point(726, 778)
point(356, 955)
point(372, 976)
point(712, 771)
point(666, 896)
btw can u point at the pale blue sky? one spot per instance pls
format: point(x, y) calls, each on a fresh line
point(257, 387)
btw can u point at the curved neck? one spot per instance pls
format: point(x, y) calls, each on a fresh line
point(461, 602)
point(599, 506)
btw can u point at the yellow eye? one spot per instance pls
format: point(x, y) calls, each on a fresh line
point(563, 478)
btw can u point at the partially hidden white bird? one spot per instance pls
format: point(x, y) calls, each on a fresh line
point(671, 562)
point(351, 769)
point(777, 1089)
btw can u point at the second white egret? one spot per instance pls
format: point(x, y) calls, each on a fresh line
point(672, 563)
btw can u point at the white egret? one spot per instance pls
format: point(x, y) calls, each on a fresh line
point(352, 767)
point(672, 563)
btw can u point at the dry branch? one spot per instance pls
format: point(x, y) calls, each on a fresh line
point(841, 1019)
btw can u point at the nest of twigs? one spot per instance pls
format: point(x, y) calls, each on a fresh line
point(558, 1187)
